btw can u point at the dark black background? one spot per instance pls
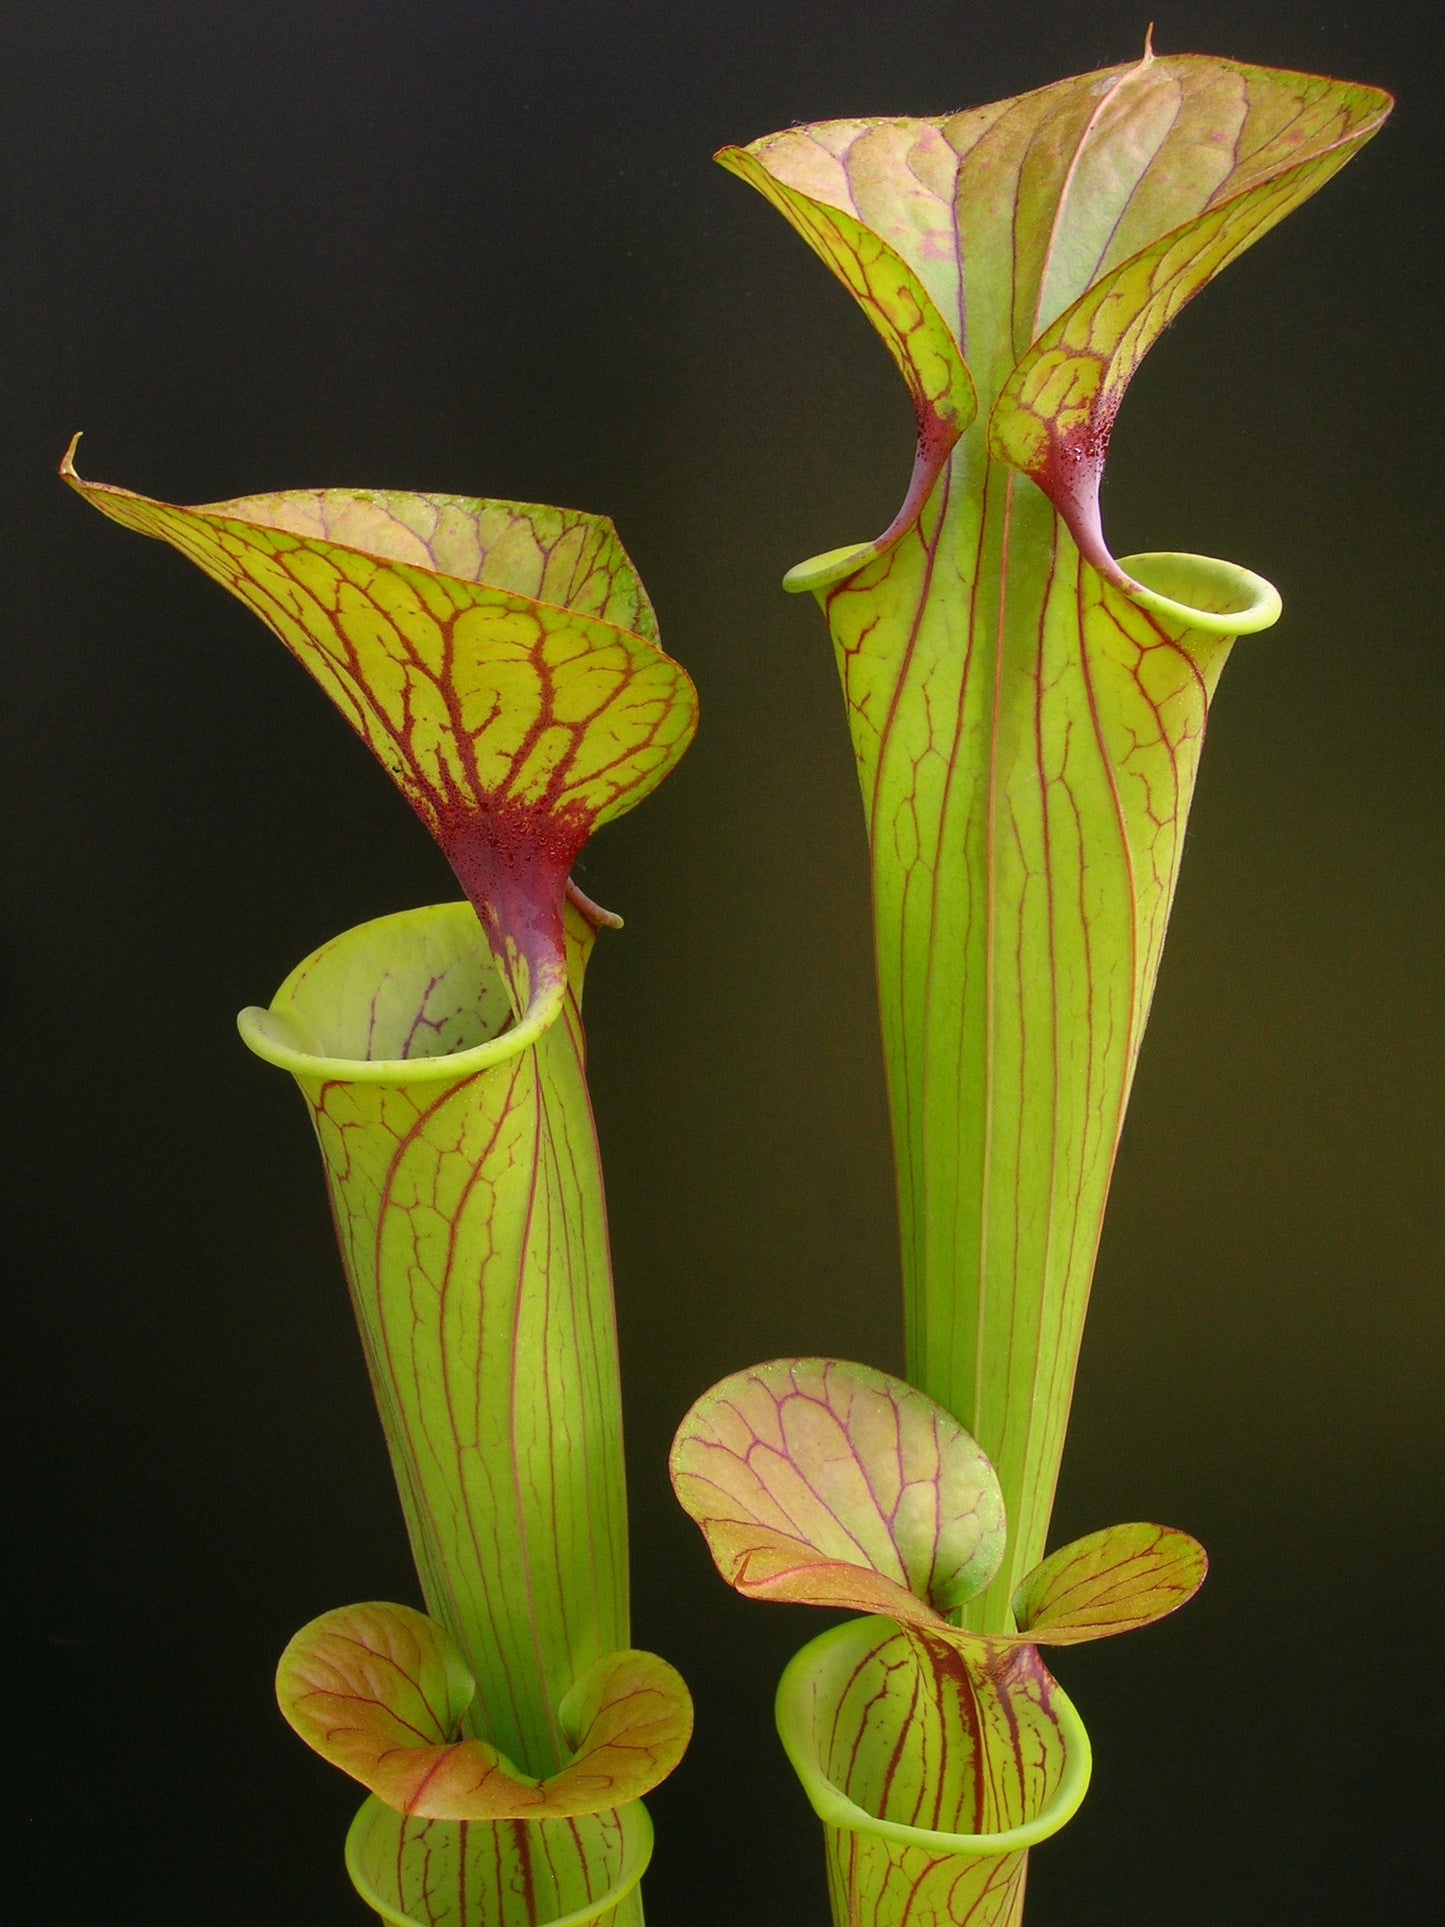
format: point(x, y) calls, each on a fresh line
point(478, 246)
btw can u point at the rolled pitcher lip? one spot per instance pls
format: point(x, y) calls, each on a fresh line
point(833, 565)
point(793, 1710)
point(1256, 602)
point(276, 1034)
point(637, 1845)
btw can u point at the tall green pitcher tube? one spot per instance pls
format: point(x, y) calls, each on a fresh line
point(467, 1195)
point(1030, 797)
point(1026, 710)
point(466, 1190)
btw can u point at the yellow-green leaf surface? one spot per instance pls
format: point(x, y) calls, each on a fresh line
point(897, 294)
point(1026, 716)
point(367, 1685)
point(466, 1191)
point(380, 1691)
point(1226, 152)
point(831, 1484)
point(932, 1775)
point(1110, 1582)
point(511, 1873)
point(827, 1483)
point(499, 658)
point(1082, 215)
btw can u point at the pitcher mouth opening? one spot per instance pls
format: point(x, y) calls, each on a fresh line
point(377, 1836)
point(412, 998)
point(1218, 597)
point(804, 1698)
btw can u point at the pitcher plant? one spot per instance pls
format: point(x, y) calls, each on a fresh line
point(502, 662)
point(1027, 713)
